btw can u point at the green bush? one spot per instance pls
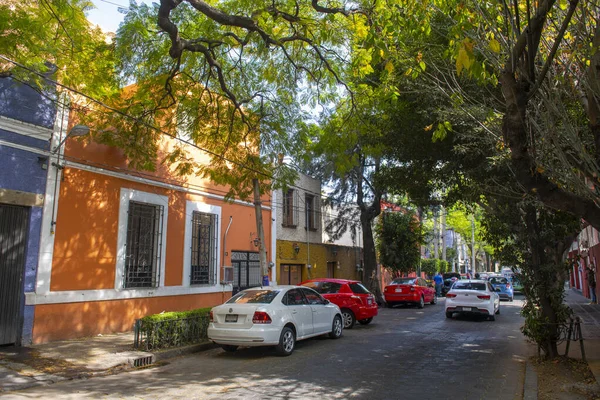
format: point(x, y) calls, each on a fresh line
point(444, 266)
point(429, 266)
point(172, 329)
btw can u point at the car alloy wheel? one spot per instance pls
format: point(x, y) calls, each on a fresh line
point(336, 328)
point(421, 303)
point(434, 301)
point(287, 342)
point(349, 319)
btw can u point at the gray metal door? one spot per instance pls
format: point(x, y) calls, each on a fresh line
point(246, 270)
point(13, 240)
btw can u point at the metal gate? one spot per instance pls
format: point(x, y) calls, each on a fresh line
point(246, 270)
point(13, 239)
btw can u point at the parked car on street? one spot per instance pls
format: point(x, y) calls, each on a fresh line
point(354, 299)
point(449, 279)
point(506, 289)
point(273, 316)
point(517, 284)
point(409, 291)
point(473, 297)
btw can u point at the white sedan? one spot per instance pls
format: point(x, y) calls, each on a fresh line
point(472, 297)
point(273, 316)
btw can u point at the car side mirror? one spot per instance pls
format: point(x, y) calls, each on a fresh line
point(327, 301)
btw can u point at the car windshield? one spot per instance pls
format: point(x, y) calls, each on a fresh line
point(358, 288)
point(498, 281)
point(254, 296)
point(404, 281)
point(324, 287)
point(468, 286)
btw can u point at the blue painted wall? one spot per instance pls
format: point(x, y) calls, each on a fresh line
point(22, 170)
point(19, 101)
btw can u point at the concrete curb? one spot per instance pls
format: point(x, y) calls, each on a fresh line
point(166, 354)
point(530, 391)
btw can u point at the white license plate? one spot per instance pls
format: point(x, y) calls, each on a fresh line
point(398, 290)
point(231, 318)
point(467, 309)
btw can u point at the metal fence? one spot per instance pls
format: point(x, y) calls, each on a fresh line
point(154, 335)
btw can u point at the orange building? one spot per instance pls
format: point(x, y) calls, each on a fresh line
point(118, 244)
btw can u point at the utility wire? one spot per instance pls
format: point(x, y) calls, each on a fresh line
point(148, 125)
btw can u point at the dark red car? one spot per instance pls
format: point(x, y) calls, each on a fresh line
point(354, 300)
point(409, 291)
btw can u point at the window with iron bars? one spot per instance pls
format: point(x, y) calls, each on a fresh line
point(203, 262)
point(290, 209)
point(143, 246)
point(312, 214)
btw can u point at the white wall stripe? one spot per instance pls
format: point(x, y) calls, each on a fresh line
point(25, 129)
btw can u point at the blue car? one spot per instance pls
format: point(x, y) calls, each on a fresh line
point(506, 289)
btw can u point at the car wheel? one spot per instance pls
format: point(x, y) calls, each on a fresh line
point(448, 314)
point(421, 302)
point(366, 321)
point(287, 342)
point(336, 328)
point(229, 348)
point(511, 299)
point(492, 318)
point(434, 301)
point(349, 319)
point(498, 310)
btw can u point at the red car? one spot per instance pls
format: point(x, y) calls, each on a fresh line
point(354, 300)
point(409, 290)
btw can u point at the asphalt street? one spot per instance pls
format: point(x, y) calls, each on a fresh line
point(405, 353)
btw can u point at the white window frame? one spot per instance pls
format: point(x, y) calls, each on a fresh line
point(126, 196)
point(190, 207)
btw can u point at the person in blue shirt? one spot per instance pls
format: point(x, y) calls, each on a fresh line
point(439, 281)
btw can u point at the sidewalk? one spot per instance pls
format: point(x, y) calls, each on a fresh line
point(590, 327)
point(23, 367)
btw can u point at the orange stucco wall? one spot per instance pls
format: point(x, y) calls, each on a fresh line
point(85, 246)
point(85, 243)
point(73, 320)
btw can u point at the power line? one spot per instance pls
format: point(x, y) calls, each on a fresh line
point(162, 132)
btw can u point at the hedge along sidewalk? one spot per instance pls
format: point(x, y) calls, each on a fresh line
point(171, 329)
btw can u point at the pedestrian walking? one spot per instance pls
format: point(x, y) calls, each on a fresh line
point(591, 275)
point(439, 281)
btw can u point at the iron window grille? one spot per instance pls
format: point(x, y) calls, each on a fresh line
point(204, 241)
point(143, 246)
point(290, 208)
point(312, 215)
point(246, 269)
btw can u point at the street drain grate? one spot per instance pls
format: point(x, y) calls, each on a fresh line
point(142, 361)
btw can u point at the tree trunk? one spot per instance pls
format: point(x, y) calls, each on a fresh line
point(370, 258)
point(367, 215)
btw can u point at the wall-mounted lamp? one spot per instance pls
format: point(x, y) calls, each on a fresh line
point(256, 242)
point(296, 248)
point(43, 162)
point(77, 130)
point(334, 250)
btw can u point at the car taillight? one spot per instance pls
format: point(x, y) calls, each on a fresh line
point(211, 317)
point(483, 296)
point(450, 295)
point(358, 299)
point(261, 317)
